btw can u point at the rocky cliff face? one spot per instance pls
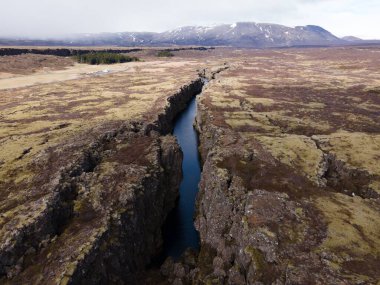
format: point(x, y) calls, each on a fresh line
point(246, 233)
point(102, 218)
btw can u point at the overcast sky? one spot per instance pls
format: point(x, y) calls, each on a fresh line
point(41, 18)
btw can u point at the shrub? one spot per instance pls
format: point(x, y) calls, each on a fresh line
point(165, 53)
point(104, 58)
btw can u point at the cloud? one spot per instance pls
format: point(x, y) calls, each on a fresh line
point(53, 17)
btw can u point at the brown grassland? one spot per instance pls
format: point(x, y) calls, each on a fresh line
point(304, 123)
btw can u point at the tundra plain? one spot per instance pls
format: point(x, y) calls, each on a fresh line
point(290, 146)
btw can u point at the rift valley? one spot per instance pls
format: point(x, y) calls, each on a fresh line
point(289, 145)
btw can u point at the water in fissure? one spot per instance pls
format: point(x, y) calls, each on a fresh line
point(179, 232)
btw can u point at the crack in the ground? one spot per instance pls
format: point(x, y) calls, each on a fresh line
point(337, 176)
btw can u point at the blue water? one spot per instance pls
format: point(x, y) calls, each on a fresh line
point(179, 232)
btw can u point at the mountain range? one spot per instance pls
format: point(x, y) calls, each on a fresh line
point(241, 34)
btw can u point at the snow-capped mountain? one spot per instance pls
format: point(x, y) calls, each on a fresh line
point(242, 34)
point(249, 35)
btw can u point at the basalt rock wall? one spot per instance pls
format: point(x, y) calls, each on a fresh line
point(104, 209)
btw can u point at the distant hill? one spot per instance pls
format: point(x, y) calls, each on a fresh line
point(242, 34)
point(358, 41)
point(352, 39)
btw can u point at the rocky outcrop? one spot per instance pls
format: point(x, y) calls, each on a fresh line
point(100, 219)
point(133, 232)
point(247, 231)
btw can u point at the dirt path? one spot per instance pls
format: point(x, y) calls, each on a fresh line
point(75, 72)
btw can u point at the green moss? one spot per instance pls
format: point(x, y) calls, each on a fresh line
point(299, 212)
point(265, 272)
point(212, 282)
point(244, 221)
point(205, 259)
point(257, 257)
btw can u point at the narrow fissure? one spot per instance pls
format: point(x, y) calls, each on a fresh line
point(179, 232)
